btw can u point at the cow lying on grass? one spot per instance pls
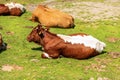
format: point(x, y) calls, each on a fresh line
point(2, 44)
point(79, 46)
point(13, 9)
point(51, 17)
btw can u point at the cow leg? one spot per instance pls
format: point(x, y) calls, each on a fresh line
point(45, 55)
point(50, 54)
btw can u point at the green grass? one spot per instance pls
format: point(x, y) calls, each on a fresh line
point(24, 2)
point(20, 52)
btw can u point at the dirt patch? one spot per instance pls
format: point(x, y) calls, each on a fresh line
point(85, 11)
point(10, 33)
point(9, 68)
point(100, 66)
point(99, 78)
point(114, 54)
point(97, 67)
point(113, 39)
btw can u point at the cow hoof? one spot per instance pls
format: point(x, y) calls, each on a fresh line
point(45, 55)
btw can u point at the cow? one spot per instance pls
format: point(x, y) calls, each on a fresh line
point(52, 17)
point(78, 46)
point(4, 10)
point(3, 45)
point(13, 9)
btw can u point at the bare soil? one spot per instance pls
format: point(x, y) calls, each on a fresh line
point(85, 10)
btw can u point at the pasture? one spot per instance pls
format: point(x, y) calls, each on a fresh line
point(22, 60)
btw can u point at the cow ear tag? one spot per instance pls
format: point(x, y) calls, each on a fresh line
point(36, 28)
point(40, 33)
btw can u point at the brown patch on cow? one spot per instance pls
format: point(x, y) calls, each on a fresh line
point(113, 39)
point(114, 54)
point(10, 32)
point(9, 68)
point(4, 10)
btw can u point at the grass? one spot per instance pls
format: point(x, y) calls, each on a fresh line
point(21, 52)
point(24, 2)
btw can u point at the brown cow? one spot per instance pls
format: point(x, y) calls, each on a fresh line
point(52, 18)
point(4, 10)
point(34, 37)
point(79, 46)
point(2, 44)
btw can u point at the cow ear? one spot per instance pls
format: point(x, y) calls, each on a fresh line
point(39, 26)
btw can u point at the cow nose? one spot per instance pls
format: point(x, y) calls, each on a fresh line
point(73, 25)
point(28, 39)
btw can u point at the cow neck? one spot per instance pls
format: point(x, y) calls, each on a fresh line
point(49, 36)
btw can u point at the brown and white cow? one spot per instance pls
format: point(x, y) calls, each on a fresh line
point(14, 9)
point(79, 46)
point(3, 45)
point(52, 17)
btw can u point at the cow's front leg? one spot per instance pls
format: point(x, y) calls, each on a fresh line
point(50, 55)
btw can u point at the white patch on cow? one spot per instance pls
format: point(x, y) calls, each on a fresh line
point(46, 55)
point(86, 40)
point(17, 5)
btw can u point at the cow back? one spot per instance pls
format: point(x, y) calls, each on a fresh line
point(15, 11)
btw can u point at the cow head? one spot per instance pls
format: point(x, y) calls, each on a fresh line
point(34, 35)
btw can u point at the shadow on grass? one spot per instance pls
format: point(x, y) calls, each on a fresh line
point(38, 49)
